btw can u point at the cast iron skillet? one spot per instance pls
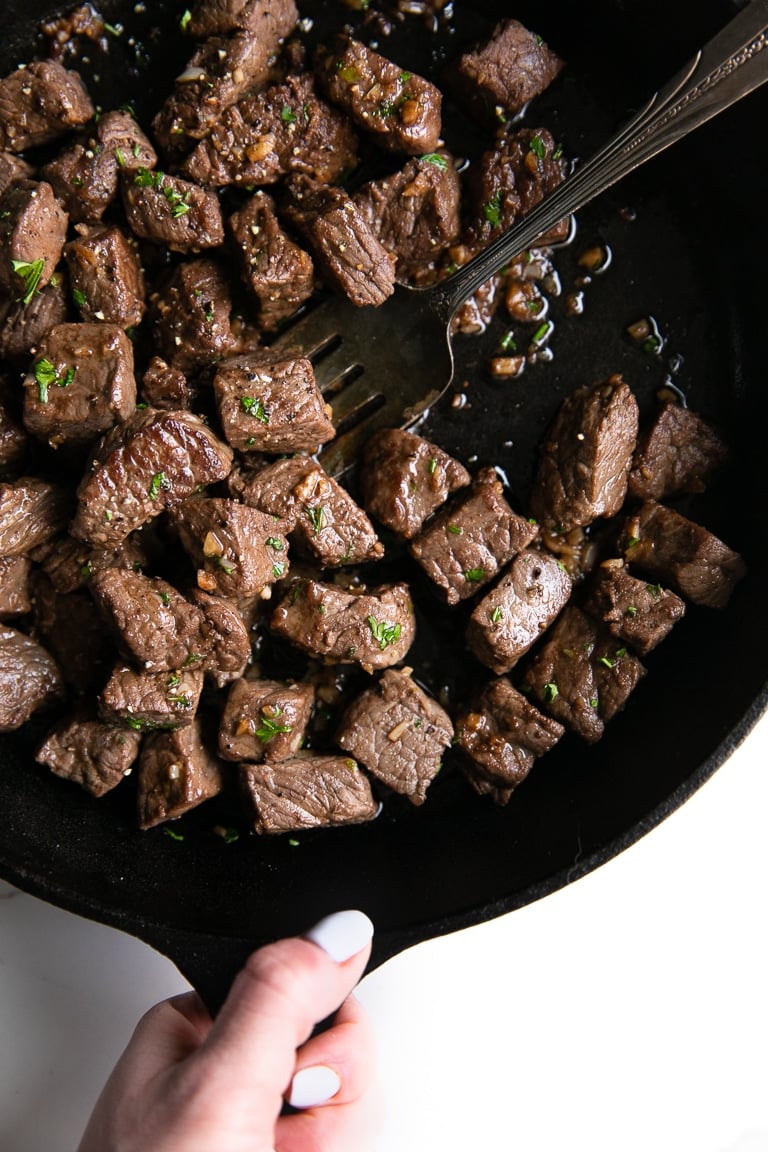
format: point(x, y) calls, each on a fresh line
point(694, 257)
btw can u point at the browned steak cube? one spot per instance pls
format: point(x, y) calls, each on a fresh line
point(152, 462)
point(307, 792)
point(617, 673)
point(511, 618)
point(398, 733)
point(636, 612)
point(13, 169)
point(13, 441)
point(278, 273)
point(80, 385)
point(220, 17)
point(71, 629)
point(522, 168)
point(155, 625)
point(40, 102)
point(14, 586)
point(348, 256)
point(271, 403)
point(585, 458)
point(85, 176)
point(667, 546)
point(148, 701)
point(497, 79)
point(164, 387)
point(33, 228)
point(32, 512)
point(24, 326)
point(468, 542)
point(239, 551)
point(190, 315)
point(176, 774)
point(30, 679)
point(90, 753)
point(105, 276)
point(170, 211)
point(326, 523)
point(678, 453)
point(373, 629)
point(264, 718)
point(225, 631)
point(502, 733)
point(400, 110)
point(70, 564)
point(405, 478)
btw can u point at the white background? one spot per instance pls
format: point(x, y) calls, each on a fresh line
point(625, 1013)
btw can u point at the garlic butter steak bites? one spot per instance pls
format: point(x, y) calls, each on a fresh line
point(40, 102)
point(29, 678)
point(307, 791)
point(264, 719)
point(90, 752)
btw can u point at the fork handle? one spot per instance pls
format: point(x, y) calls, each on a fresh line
point(732, 64)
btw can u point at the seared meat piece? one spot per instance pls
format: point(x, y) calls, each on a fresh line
point(268, 402)
point(13, 169)
point(348, 255)
point(678, 453)
point(148, 701)
point(227, 634)
point(307, 792)
point(373, 629)
point(468, 542)
point(32, 512)
point(152, 462)
point(24, 326)
point(69, 564)
point(85, 176)
point(220, 17)
point(105, 276)
point(398, 733)
point(497, 79)
point(33, 228)
point(501, 735)
point(284, 129)
point(400, 110)
point(636, 612)
point(39, 103)
point(13, 441)
point(90, 753)
point(521, 169)
point(278, 273)
point(171, 211)
point(14, 586)
point(80, 385)
point(164, 387)
point(666, 546)
point(264, 718)
point(414, 212)
point(156, 626)
point(239, 551)
point(404, 478)
point(71, 630)
point(585, 458)
point(30, 679)
point(579, 675)
point(176, 773)
point(512, 617)
point(325, 521)
point(190, 315)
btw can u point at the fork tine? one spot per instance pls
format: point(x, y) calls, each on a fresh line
point(334, 367)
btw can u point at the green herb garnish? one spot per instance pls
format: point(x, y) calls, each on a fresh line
point(497, 614)
point(30, 273)
point(383, 632)
point(538, 147)
point(287, 114)
point(160, 482)
point(474, 575)
point(317, 516)
point(435, 158)
point(455, 529)
point(47, 377)
point(275, 542)
point(492, 210)
point(551, 691)
point(254, 407)
point(269, 728)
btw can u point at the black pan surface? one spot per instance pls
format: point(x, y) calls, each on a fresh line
point(689, 248)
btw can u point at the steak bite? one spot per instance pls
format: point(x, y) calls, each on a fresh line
point(164, 387)
point(638, 613)
point(14, 586)
point(278, 273)
point(398, 733)
point(220, 17)
point(401, 111)
point(13, 441)
point(148, 701)
point(501, 734)
point(33, 228)
point(373, 629)
point(405, 478)
point(176, 774)
point(170, 211)
point(105, 276)
point(307, 792)
point(227, 635)
point(80, 385)
point(32, 512)
point(40, 102)
point(586, 456)
point(513, 615)
point(90, 753)
point(666, 546)
point(30, 679)
point(264, 718)
point(13, 169)
point(468, 542)
point(152, 462)
point(498, 78)
point(23, 326)
point(73, 633)
point(268, 402)
point(190, 315)
point(678, 453)
point(70, 564)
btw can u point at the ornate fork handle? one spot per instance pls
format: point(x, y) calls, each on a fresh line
point(732, 64)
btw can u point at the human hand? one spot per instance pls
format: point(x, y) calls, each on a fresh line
point(187, 1083)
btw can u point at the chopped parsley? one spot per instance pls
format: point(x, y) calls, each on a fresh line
point(184, 22)
point(269, 728)
point(507, 342)
point(474, 575)
point(160, 483)
point(432, 465)
point(278, 569)
point(254, 407)
point(275, 542)
point(497, 614)
point(79, 297)
point(538, 147)
point(551, 691)
point(30, 273)
point(169, 832)
point(492, 210)
point(631, 610)
point(655, 590)
point(178, 201)
point(384, 632)
point(287, 114)
point(47, 377)
point(317, 517)
point(436, 159)
point(455, 529)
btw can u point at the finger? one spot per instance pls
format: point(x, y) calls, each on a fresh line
point(346, 1051)
point(346, 1128)
point(168, 1033)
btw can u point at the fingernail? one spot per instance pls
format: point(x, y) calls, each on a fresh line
point(313, 1086)
point(342, 934)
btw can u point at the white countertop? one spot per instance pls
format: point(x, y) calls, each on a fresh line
point(625, 1013)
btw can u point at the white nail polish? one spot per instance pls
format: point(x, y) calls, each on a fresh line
point(342, 934)
point(312, 1086)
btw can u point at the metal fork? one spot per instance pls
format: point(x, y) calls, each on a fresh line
point(384, 366)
